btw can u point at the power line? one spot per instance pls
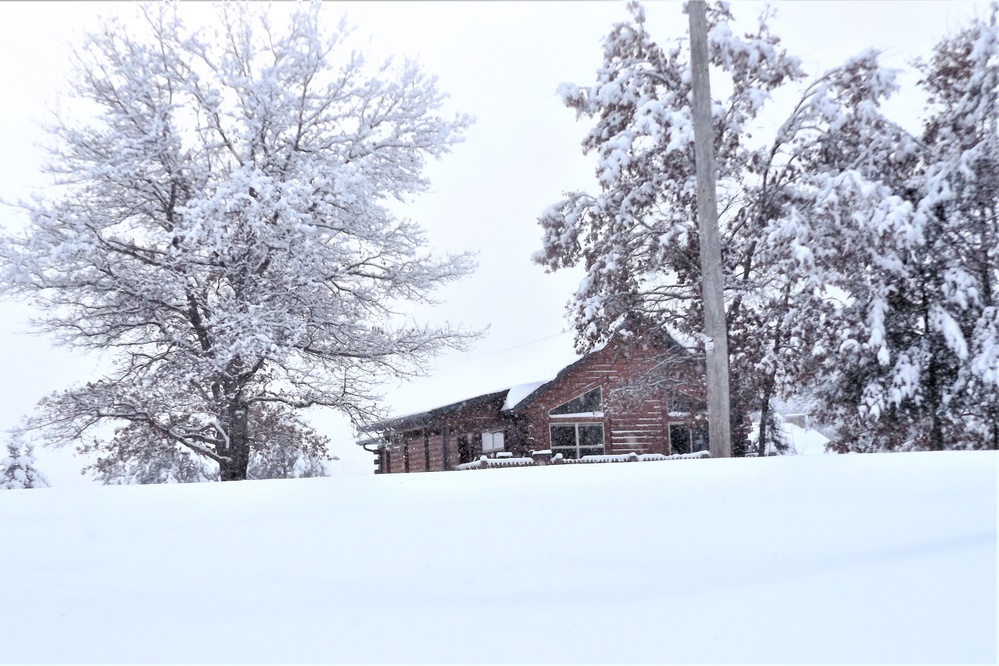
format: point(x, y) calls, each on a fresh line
point(518, 346)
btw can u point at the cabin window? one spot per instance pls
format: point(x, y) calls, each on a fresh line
point(575, 440)
point(589, 403)
point(464, 449)
point(492, 441)
point(684, 438)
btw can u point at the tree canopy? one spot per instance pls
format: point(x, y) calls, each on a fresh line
point(861, 261)
point(223, 230)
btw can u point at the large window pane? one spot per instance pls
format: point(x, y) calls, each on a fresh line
point(563, 436)
point(464, 449)
point(585, 404)
point(578, 439)
point(699, 439)
point(687, 439)
point(492, 441)
point(591, 435)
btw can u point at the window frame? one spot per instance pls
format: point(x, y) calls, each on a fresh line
point(491, 435)
point(691, 429)
point(579, 446)
point(553, 414)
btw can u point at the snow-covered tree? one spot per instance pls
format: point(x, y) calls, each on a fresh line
point(223, 230)
point(17, 470)
point(778, 441)
point(637, 238)
point(918, 367)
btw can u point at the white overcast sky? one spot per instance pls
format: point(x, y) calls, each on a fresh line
point(499, 61)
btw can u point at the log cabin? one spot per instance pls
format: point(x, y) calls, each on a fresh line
point(629, 396)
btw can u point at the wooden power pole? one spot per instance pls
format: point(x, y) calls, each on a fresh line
point(712, 284)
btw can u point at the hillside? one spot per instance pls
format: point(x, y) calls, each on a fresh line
point(877, 558)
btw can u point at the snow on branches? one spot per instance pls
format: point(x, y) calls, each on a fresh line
point(859, 259)
point(936, 381)
point(17, 469)
point(223, 226)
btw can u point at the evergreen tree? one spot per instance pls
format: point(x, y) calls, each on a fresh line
point(921, 371)
point(18, 471)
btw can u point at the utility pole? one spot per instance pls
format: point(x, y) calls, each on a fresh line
point(712, 284)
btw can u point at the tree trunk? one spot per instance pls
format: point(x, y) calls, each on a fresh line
point(936, 442)
point(933, 382)
point(770, 381)
point(769, 384)
point(737, 420)
point(238, 452)
point(761, 444)
point(995, 429)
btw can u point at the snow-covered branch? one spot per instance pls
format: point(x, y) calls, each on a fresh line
point(225, 231)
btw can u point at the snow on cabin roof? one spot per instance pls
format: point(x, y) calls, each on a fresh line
point(418, 417)
point(516, 394)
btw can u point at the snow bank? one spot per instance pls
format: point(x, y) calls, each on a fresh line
point(862, 558)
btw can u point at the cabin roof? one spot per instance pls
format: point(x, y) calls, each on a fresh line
point(421, 418)
point(514, 399)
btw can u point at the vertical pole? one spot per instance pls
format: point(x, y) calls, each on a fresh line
point(712, 284)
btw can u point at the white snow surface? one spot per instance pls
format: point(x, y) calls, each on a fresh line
point(805, 441)
point(517, 393)
point(857, 558)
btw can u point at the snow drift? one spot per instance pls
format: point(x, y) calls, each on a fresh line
point(872, 558)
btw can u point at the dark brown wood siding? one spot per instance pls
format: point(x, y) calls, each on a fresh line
point(641, 428)
point(426, 438)
point(631, 423)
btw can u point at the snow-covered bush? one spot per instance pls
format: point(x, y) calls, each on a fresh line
point(18, 471)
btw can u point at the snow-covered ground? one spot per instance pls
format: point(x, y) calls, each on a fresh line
point(805, 441)
point(873, 558)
